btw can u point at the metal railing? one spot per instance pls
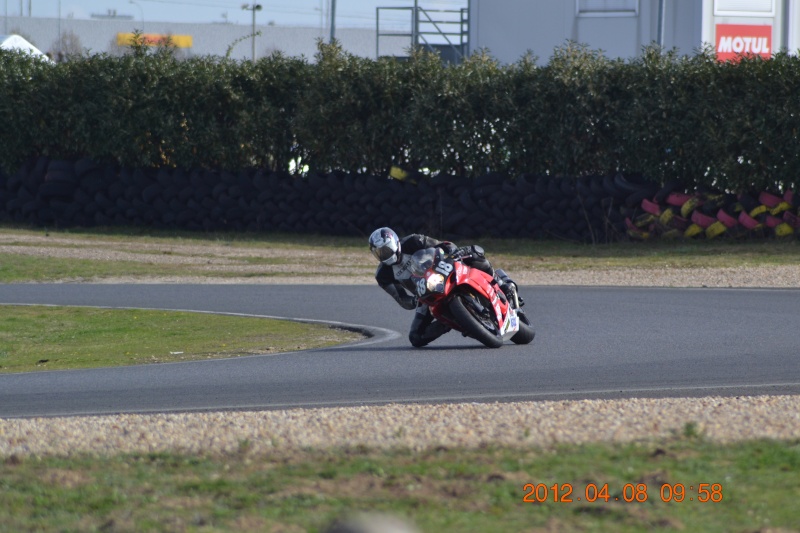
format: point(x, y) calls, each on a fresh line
point(444, 31)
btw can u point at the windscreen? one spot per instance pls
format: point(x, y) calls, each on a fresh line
point(422, 261)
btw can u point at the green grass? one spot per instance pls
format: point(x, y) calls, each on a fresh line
point(441, 490)
point(17, 268)
point(60, 338)
point(76, 255)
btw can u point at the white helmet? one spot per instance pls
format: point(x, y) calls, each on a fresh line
point(385, 246)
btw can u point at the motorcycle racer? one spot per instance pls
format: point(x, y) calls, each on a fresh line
point(393, 273)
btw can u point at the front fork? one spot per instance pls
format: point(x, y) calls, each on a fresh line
point(514, 296)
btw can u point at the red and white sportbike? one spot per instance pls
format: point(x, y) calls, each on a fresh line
point(467, 299)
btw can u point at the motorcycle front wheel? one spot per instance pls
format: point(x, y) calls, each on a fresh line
point(475, 321)
point(526, 333)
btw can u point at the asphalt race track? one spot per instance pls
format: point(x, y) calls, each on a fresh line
point(591, 342)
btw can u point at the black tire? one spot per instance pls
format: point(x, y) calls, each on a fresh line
point(452, 221)
point(530, 201)
point(583, 187)
point(542, 186)
point(525, 184)
point(472, 322)
point(612, 189)
point(554, 189)
point(526, 333)
point(748, 202)
point(669, 187)
point(596, 185)
point(61, 165)
point(632, 184)
point(635, 199)
point(466, 201)
point(49, 189)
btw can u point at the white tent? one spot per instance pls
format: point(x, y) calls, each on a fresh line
point(15, 42)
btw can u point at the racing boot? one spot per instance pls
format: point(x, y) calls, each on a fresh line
point(509, 287)
point(424, 329)
point(429, 334)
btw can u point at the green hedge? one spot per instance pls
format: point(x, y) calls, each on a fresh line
point(146, 110)
point(727, 125)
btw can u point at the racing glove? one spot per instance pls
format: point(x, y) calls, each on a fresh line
point(474, 251)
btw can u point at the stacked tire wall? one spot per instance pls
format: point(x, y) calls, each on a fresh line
point(60, 193)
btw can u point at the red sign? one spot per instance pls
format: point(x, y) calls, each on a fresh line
point(737, 40)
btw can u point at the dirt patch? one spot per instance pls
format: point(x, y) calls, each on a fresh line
point(222, 262)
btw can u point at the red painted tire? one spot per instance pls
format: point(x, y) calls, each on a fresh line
point(727, 219)
point(791, 219)
point(678, 198)
point(748, 222)
point(769, 200)
point(651, 207)
point(772, 221)
point(702, 220)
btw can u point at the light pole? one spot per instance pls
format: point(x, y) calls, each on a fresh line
point(141, 11)
point(253, 8)
point(321, 10)
point(59, 28)
point(333, 20)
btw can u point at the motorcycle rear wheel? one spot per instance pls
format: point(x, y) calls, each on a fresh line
point(472, 323)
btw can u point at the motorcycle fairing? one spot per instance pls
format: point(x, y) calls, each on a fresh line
point(511, 325)
point(481, 283)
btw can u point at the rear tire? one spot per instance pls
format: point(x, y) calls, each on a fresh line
point(471, 323)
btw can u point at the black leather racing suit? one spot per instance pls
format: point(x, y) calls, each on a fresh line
point(424, 329)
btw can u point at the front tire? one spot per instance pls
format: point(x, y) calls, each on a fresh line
point(526, 333)
point(472, 323)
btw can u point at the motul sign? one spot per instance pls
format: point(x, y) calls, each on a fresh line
point(737, 40)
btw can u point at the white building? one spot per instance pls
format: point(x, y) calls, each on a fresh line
point(507, 28)
point(510, 28)
point(105, 35)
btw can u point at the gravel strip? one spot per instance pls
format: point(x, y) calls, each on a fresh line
point(774, 277)
point(541, 424)
point(750, 277)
